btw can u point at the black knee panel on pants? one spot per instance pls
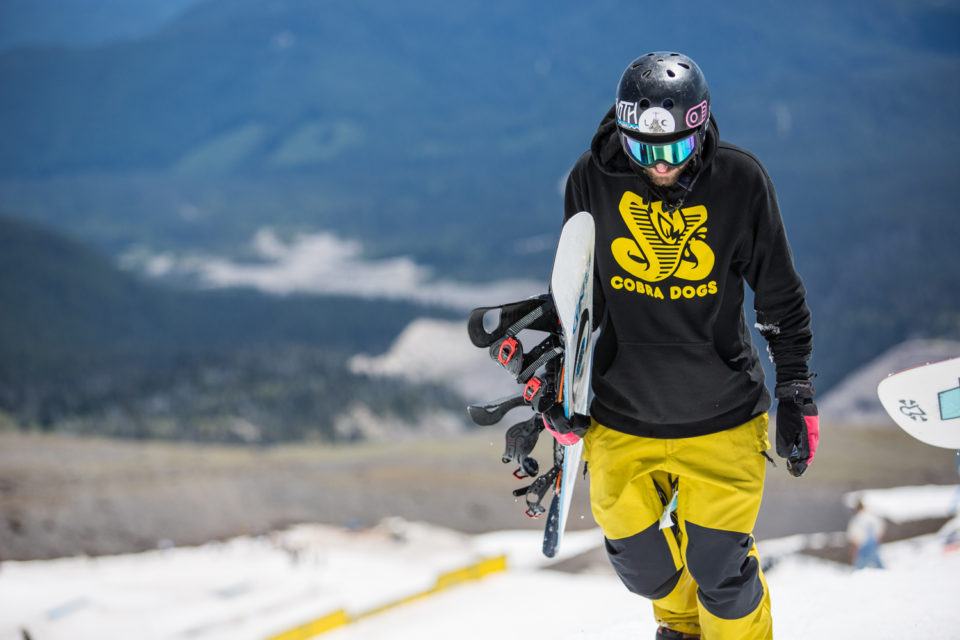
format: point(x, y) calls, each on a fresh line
point(644, 563)
point(728, 579)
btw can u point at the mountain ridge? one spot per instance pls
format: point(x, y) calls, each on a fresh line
point(89, 349)
point(442, 132)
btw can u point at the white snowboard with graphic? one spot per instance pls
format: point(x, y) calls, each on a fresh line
point(925, 402)
point(571, 286)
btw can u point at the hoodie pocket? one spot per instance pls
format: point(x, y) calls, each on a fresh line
point(671, 383)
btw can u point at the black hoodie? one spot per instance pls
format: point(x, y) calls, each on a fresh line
point(674, 357)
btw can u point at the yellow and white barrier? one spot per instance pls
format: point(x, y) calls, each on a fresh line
point(341, 617)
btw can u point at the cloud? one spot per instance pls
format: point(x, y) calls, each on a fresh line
point(322, 263)
point(784, 117)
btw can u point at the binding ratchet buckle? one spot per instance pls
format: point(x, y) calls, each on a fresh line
point(532, 388)
point(506, 349)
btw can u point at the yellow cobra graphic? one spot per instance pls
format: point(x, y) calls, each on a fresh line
point(663, 244)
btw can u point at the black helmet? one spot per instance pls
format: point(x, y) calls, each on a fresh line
point(662, 97)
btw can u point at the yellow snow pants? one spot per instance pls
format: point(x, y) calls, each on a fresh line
point(698, 564)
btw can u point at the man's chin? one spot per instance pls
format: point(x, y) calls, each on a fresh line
point(664, 178)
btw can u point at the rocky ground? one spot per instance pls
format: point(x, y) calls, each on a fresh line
point(62, 496)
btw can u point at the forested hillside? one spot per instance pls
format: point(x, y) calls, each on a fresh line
point(87, 348)
point(443, 132)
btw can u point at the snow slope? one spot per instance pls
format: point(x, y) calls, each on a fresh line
point(257, 588)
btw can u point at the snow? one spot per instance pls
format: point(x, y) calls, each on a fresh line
point(432, 350)
point(904, 504)
point(385, 580)
point(438, 351)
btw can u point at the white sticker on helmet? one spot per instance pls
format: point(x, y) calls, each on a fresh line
point(657, 120)
point(653, 120)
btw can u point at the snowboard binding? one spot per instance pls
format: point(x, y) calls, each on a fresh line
point(521, 439)
point(537, 314)
point(541, 391)
point(535, 492)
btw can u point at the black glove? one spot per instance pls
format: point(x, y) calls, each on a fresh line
point(798, 425)
point(566, 430)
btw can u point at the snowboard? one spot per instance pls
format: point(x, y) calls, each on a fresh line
point(571, 286)
point(925, 402)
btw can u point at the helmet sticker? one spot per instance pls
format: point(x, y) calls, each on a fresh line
point(627, 114)
point(697, 115)
point(657, 120)
point(652, 120)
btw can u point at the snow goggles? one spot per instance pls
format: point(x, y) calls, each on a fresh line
point(674, 153)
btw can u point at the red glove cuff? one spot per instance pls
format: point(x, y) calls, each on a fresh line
point(813, 435)
point(565, 439)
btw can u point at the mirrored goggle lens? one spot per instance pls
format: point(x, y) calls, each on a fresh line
point(648, 154)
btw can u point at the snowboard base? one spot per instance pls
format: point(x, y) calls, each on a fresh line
point(925, 402)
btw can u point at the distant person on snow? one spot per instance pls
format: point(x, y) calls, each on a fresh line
point(678, 434)
point(865, 533)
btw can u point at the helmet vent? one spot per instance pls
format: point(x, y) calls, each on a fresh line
point(661, 93)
